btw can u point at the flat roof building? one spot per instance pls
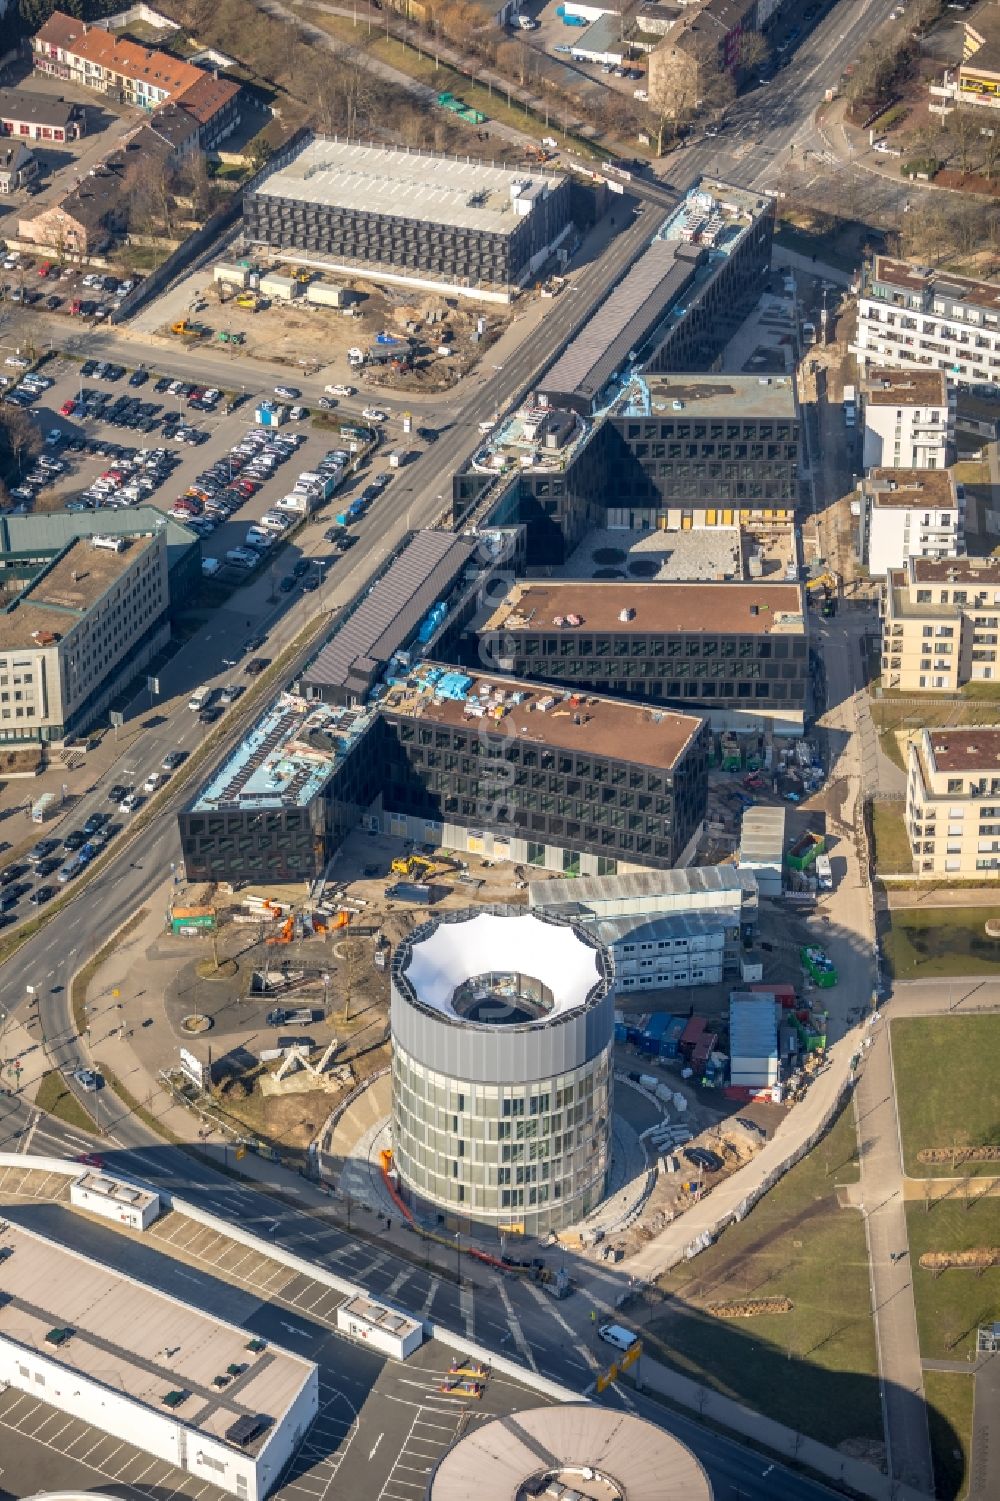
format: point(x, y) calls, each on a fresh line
point(910, 513)
point(953, 801)
point(762, 848)
point(143, 1366)
point(916, 316)
point(459, 221)
point(939, 627)
point(678, 303)
point(115, 1199)
point(79, 630)
point(714, 647)
point(909, 419)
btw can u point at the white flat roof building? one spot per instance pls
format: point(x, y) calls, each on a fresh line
point(115, 1199)
point(909, 419)
point(191, 1390)
point(762, 847)
point(380, 1326)
point(910, 513)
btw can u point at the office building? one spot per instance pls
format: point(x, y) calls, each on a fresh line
point(411, 213)
point(82, 628)
point(539, 774)
point(911, 315)
point(953, 801)
point(548, 1452)
point(909, 419)
point(680, 301)
point(729, 646)
point(910, 513)
point(149, 1370)
point(502, 1082)
point(941, 624)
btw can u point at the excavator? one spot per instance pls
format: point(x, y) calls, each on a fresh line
point(412, 865)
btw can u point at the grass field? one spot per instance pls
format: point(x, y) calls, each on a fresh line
point(945, 1071)
point(815, 1367)
point(55, 1098)
point(924, 944)
point(950, 1307)
point(892, 846)
point(949, 1415)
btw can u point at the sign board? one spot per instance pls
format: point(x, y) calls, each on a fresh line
point(153, 685)
point(631, 1356)
point(196, 920)
point(117, 719)
point(191, 1068)
point(605, 1379)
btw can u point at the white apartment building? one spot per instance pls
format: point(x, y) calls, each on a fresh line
point(910, 315)
point(940, 624)
point(909, 513)
point(909, 419)
point(79, 631)
point(953, 801)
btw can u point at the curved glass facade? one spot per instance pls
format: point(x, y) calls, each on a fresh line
point(532, 1155)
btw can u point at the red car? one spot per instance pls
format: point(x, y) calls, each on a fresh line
point(68, 408)
point(45, 268)
point(90, 1159)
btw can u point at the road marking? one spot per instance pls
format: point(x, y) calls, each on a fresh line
point(26, 1144)
point(515, 1325)
point(294, 1329)
point(371, 1454)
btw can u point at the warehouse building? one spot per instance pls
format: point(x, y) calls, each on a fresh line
point(79, 631)
point(729, 649)
point(502, 1078)
point(679, 303)
point(464, 223)
point(191, 1390)
point(535, 773)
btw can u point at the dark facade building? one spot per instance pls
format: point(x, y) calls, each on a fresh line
point(462, 221)
point(535, 773)
point(704, 647)
point(678, 304)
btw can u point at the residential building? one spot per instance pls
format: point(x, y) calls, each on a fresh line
point(909, 513)
point(909, 419)
point(79, 631)
point(40, 117)
point(409, 214)
point(915, 316)
point(698, 56)
point(940, 624)
point(84, 221)
point(953, 801)
point(728, 649)
point(975, 83)
point(678, 304)
point(18, 166)
point(88, 55)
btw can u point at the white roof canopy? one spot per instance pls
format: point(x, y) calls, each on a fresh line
point(457, 951)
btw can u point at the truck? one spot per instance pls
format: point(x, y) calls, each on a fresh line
point(850, 406)
point(199, 699)
point(824, 873)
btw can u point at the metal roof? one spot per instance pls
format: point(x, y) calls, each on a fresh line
point(667, 927)
point(387, 617)
point(624, 320)
point(753, 1025)
point(762, 838)
point(658, 888)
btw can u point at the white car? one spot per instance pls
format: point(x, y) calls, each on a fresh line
point(374, 414)
point(87, 1079)
point(152, 782)
point(339, 390)
point(17, 362)
point(297, 414)
point(288, 393)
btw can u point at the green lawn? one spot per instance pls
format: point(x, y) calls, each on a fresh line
point(892, 846)
point(813, 1368)
point(950, 1398)
point(56, 1099)
point(952, 1305)
point(945, 1070)
point(925, 943)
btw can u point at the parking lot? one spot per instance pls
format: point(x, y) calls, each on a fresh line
point(382, 1425)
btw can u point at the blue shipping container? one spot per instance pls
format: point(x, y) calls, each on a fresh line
point(621, 1032)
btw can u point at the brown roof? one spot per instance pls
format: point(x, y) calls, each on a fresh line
point(60, 30)
point(912, 487)
point(207, 96)
point(956, 570)
point(725, 608)
point(965, 750)
point(607, 726)
point(886, 388)
point(921, 279)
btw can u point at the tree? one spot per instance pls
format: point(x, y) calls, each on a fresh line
point(963, 129)
point(19, 437)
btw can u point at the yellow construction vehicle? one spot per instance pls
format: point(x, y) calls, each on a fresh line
point(827, 582)
point(302, 277)
point(185, 330)
point(247, 300)
point(412, 865)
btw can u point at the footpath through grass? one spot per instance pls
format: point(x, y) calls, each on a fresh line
point(56, 1098)
point(945, 1069)
point(927, 943)
point(815, 1367)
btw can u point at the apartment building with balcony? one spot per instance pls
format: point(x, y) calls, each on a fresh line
point(940, 624)
point(953, 801)
point(909, 513)
point(910, 315)
point(909, 419)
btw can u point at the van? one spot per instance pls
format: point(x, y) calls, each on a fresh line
point(199, 699)
point(242, 557)
point(614, 1334)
